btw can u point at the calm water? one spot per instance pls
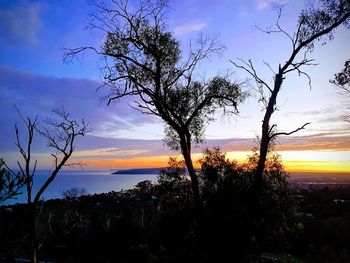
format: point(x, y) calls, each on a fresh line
point(92, 181)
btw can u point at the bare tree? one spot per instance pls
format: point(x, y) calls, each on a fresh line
point(314, 24)
point(74, 193)
point(61, 135)
point(143, 59)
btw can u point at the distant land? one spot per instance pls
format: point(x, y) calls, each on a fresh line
point(292, 175)
point(326, 176)
point(140, 171)
point(312, 180)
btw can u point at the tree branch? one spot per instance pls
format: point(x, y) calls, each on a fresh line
point(249, 68)
point(289, 133)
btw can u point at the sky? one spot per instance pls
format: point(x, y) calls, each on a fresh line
point(33, 76)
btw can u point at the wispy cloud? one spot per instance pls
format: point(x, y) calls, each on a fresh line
point(35, 94)
point(303, 113)
point(264, 4)
point(145, 153)
point(110, 153)
point(188, 28)
point(21, 22)
point(38, 95)
point(106, 148)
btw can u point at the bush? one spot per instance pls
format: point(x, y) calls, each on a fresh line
point(241, 223)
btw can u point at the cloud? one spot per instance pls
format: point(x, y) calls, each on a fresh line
point(125, 148)
point(122, 153)
point(316, 142)
point(264, 4)
point(110, 153)
point(325, 120)
point(303, 113)
point(38, 95)
point(188, 28)
point(21, 23)
point(114, 126)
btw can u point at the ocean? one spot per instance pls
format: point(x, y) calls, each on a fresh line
point(102, 181)
point(97, 181)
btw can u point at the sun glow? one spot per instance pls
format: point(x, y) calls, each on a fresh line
point(307, 161)
point(317, 161)
point(294, 161)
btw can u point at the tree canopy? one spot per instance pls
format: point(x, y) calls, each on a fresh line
point(144, 59)
point(342, 79)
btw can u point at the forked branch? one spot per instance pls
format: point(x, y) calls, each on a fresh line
point(275, 134)
point(61, 135)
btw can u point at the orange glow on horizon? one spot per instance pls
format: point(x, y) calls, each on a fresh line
point(300, 161)
point(317, 167)
point(140, 162)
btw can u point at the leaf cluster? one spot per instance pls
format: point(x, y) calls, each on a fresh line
point(192, 106)
point(315, 19)
point(10, 182)
point(342, 79)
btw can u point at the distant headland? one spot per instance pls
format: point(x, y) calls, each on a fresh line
point(140, 171)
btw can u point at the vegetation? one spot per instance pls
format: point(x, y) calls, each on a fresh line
point(60, 135)
point(144, 60)
point(157, 223)
point(315, 24)
point(342, 81)
point(10, 182)
point(223, 212)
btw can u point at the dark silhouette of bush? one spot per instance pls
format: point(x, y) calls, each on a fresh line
point(157, 223)
point(237, 227)
point(10, 182)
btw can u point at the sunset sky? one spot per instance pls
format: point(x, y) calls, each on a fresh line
point(35, 79)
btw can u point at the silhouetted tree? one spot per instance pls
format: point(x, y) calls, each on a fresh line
point(240, 228)
point(175, 172)
point(173, 185)
point(60, 135)
point(214, 166)
point(342, 80)
point(74, 193)
point(314, 24)
point(144, 60)
point(10, 182)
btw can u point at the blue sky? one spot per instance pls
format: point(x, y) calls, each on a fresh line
point(34, 77)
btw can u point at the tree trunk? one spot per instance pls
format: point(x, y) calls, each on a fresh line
point(194, 180)
point(186, 152)
point(32, 230)
point(265, 134)
point(265, 138)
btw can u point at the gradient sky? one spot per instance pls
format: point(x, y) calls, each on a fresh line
point(34, 77)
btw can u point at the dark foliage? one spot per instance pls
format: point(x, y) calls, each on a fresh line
point(342, 79)
point(10, 182)
point(324, 225)
point(239, 228)
point(157, 223)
